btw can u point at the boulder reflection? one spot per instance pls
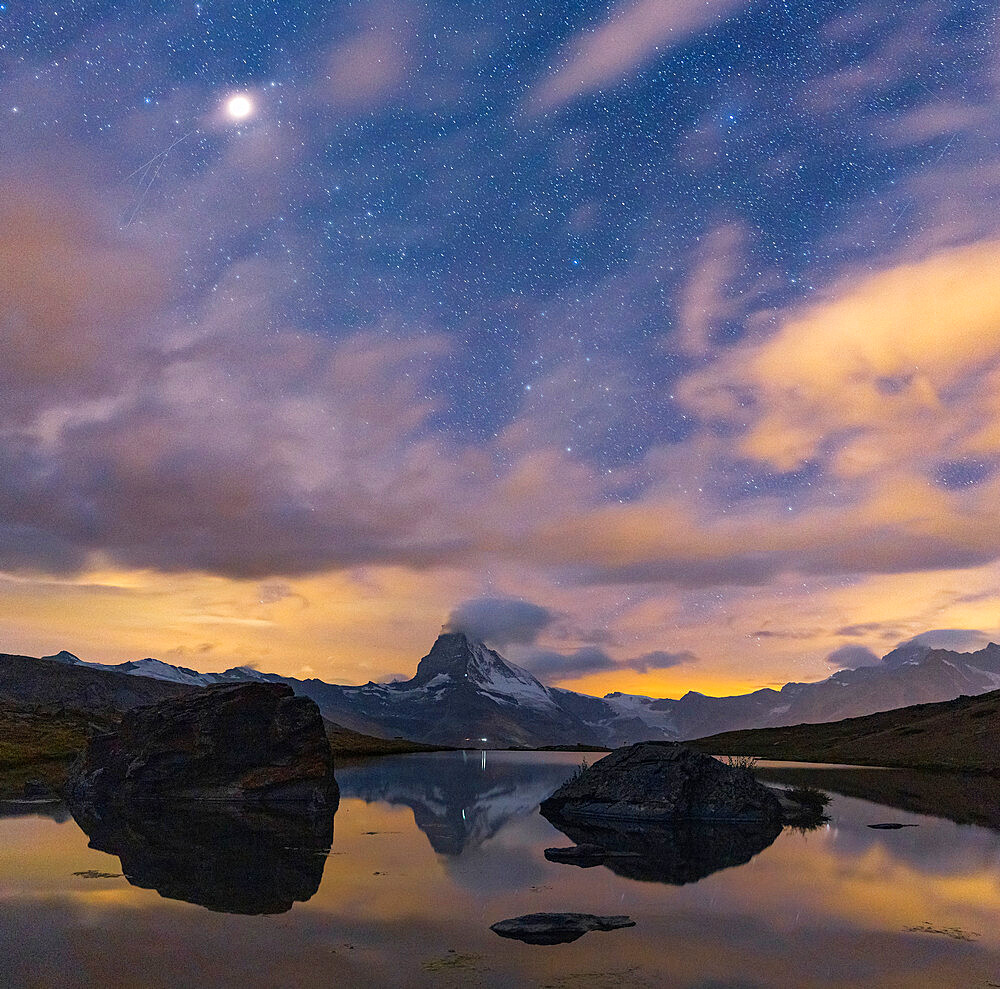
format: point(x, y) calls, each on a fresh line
point(676, 854)
point(229, 858)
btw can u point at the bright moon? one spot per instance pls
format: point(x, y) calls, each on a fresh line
point(239, 107)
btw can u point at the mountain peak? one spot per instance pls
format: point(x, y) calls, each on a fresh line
point(457, 660)
point(454, 655)
point(64, 656)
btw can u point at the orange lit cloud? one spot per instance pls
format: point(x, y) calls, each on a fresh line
point(372, 64)
point(904, 362)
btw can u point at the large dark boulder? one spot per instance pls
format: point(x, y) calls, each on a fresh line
point(662, 783)
point(244, 743)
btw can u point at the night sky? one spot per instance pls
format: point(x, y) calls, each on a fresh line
point(659, 342)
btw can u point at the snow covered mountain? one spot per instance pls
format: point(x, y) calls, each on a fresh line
point(158, 670)
point(910, 674)
point(466, 694)
point(463, 693)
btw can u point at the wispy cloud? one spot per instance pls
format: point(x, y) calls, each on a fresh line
point(633, 34)
point(588, 660)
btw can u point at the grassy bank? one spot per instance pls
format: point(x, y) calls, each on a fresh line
point(347, 744)
point(962, 735)
point(964, 798)
point(39, 743)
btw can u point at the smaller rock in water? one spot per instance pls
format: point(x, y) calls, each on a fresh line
point(557, 928)
point(584, 855)
point(892, 826)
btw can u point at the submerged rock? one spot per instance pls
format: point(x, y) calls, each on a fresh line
point(662, 783)
point(243, 743)
point(586, 855)
point(557, 928)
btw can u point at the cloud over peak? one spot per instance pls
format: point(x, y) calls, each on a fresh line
point(500, 621)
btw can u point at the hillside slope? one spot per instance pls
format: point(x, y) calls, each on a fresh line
point(25, 680)
point(347, 744)
point(961, 734)
point(39, 743)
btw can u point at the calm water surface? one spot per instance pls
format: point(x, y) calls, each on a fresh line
point(429, 850)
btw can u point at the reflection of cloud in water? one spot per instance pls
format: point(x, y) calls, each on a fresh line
point(946, 849)
point(512, 860)
point(459, 800)
point(808, 911)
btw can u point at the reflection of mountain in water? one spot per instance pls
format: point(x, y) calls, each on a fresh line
point(458, 800)
point(228, 858)
point(675, 854)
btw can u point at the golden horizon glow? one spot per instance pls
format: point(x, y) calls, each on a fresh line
point(372, 625)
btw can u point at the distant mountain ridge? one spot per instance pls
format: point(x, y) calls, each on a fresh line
point(465, 694)
point(77, 686)
point(909, 675)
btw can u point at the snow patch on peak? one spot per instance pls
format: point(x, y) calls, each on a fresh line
point(156, 669)
point(505, 680)
point(638, 706)
point(629, 699)
point(246, 673)
point(993, 679)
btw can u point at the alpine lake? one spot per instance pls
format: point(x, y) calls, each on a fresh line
point(426, 851)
